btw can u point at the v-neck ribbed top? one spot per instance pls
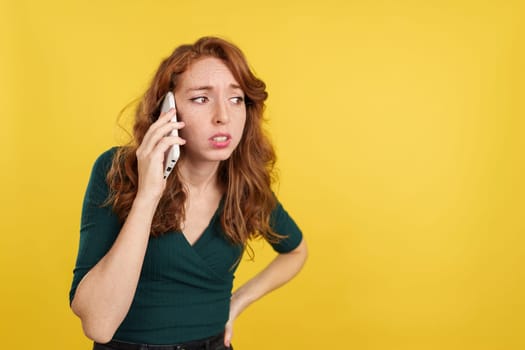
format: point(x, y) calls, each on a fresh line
point(184, 290)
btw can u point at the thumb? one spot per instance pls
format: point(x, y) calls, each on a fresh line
point(228, 333)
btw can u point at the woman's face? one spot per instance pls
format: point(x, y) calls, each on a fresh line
point(211, 103)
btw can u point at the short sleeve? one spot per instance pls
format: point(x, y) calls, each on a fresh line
point(283, 224)
point(99, 225)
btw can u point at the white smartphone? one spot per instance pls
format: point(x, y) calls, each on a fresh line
point(173, 153)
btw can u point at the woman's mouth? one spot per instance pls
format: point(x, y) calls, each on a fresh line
point(220, 140)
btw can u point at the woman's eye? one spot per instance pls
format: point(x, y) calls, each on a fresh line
point(237, 100)
point(200, 99)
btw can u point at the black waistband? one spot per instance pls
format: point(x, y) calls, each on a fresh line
point(204, 344)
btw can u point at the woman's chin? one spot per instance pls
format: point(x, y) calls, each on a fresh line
point(214, 156)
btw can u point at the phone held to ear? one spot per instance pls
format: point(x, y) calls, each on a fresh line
point(173, 153)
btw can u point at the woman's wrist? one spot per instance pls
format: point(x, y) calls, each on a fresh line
point(145, 204)
point(240, 300)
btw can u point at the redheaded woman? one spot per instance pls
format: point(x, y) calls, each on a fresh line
point(157, 255)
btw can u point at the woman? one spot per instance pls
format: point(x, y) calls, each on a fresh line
point(157, 256)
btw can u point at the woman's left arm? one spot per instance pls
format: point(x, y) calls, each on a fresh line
point(282, 269)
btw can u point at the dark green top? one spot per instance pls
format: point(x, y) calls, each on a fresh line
point(184, 291)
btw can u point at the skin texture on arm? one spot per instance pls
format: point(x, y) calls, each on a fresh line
point(105, 294)
point(281, 270)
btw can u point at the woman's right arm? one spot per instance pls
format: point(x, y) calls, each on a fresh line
point(104, 295)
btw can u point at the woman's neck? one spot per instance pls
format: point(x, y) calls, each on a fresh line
point(199, 177)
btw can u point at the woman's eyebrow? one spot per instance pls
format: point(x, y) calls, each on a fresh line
point(207, 87)
point(199, 88)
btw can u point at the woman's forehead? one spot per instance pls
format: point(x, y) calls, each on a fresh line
point(207, 72)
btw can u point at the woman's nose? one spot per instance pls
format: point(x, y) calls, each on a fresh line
point(221, 113)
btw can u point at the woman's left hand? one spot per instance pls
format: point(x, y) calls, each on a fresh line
point(236, 307)
point(282, 268)
point(228, 333)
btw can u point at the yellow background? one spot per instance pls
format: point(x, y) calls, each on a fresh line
point(400, 135)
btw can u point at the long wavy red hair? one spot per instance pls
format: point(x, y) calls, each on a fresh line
point(246, 176)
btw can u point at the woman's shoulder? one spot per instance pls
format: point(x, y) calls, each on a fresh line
point(104, 160)
point(108, 154)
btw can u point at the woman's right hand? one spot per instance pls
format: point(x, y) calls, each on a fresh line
point(150, 155)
